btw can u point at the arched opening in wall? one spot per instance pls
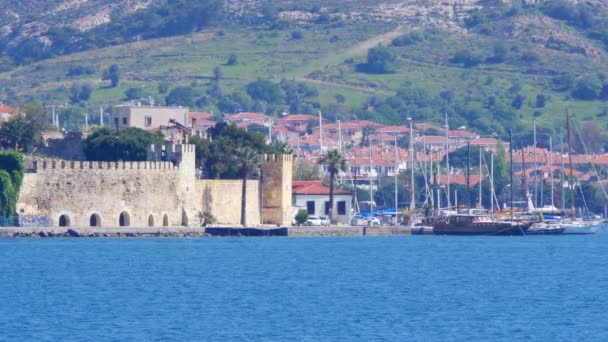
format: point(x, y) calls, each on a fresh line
point(95, 220)
point(151, 220)
point(184, 218)
point(64, 221)
point(124, 220)
point(165, 220)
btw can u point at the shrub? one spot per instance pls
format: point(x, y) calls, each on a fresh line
point(301, 217)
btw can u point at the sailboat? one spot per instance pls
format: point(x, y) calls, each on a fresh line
point(572, 224)
point(476, 222)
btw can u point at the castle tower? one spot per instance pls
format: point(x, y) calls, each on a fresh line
point(276, 189)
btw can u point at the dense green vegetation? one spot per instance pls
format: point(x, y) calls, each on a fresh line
point(11, 177)
point(218, 157)
point(105, 144)
point(492, 79)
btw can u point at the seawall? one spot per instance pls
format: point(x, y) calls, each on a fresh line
point(180, 231)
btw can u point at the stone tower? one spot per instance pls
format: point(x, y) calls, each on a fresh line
point(276, 189)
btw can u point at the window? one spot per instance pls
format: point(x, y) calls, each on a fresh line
point(124, 121)
point(342, 208)
point(115, 121)
point(326, 207)
point(148, 120)
point(310, 207)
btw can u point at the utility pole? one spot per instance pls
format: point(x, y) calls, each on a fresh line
point(321, 131)
point(340, 136)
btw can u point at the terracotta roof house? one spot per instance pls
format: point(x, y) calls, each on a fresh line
point(313, 196)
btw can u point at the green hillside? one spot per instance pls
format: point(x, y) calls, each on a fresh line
point(489, 66)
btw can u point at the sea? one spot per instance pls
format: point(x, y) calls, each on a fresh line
point(409, 288)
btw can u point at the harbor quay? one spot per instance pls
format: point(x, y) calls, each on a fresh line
point(197, 232)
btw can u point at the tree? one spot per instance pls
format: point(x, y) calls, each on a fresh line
point(588, 88)
point(17, 133)
point(181, 96)
point(380, 60)
point(335, 162)
point(130, 144)
point(232, 60)
point(264, 90)
point(134, 93)
point(80, 92)
point(217, 73)
point(113, 75)
point(11, 177)
point(297, 35)
point(248, 160)
point(301, 217)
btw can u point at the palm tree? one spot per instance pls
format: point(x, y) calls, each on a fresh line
point(248, 160)
point(335, 162)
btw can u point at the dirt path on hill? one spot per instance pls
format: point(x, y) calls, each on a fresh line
point(359, 49)
point(384, 38)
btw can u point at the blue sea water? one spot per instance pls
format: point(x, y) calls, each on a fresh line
point(412, 288)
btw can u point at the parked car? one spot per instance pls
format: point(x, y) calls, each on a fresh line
point(359, 220)
point(317, 221)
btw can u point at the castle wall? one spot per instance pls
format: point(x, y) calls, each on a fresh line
point(223, 199)
point(80, 190)
point(163, 192)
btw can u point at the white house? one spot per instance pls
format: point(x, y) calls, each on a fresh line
point(313, 197)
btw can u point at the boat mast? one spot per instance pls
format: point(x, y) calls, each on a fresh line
point(492, 181)
point(447, 158)
point(570, 160)
point(413, 199)
point(561, 173)
point(396, 189)
point(480, 178)
point(468, 177)
point(511, 155)
point(535, 168)
point(551, 169)
point(371, 190)
point(523, 162)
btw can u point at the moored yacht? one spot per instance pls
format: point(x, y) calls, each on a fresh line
point(478, 224)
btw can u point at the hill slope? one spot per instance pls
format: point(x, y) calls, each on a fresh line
point(489, 65)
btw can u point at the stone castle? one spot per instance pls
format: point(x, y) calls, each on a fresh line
point(163, 191)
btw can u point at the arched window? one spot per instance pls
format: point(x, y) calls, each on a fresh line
point(124, 220)
point(165, 220)
point(151, 220)
point(64, 221)
point(95, 220)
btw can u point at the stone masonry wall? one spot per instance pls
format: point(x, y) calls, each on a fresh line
point(223, 199)
point(80, 190)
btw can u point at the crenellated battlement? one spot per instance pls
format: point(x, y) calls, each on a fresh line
point(44, 165)
point(276, 158)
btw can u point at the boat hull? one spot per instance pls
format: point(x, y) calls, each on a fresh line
point(490, 228)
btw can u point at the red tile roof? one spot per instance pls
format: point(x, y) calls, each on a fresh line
point(199, 116)
point(8, 109)
point(314, 188)
point(461, 133)
point(427, 127)
point(393, 129)
point(297, 117)
point(245, 116)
